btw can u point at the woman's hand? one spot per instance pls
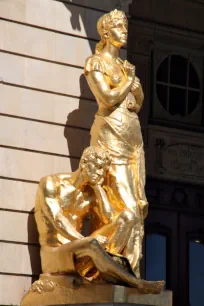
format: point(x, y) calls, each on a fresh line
point(137, 91)
point(130, 70)
point(136, 86)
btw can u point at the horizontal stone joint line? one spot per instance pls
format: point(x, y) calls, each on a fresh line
point(45, 91)
point(39, 152)
point(82, 6)
point(17, 274)
point(44, 121)
point(190, 211)
point(48, 29)
point(21, 243)
point(166, 25)
point(17, 211)
point(41, 59)
point(176, 125)
point(18, 180)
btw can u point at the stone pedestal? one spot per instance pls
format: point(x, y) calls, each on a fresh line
point(92, 294)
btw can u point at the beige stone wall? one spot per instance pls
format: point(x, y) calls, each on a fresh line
point(46, 111)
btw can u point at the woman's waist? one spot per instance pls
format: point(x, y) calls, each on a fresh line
point(119, 119)
point(113, 111)
point(124, 158)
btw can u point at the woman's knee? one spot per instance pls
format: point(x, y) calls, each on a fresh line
point(129, 217)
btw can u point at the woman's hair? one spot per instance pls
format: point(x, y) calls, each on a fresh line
point(104, 24)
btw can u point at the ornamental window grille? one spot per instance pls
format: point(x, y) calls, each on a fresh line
point(178, 86)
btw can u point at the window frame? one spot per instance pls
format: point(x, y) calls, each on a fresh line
point(158, 114)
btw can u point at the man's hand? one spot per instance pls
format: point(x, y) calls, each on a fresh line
point(100, 181)
point(97, 183)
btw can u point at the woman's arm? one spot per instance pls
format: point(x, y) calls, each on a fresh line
point(103, 92)
point(137, 91)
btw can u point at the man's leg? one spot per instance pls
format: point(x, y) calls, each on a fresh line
point(111, 271)
point(102, 261)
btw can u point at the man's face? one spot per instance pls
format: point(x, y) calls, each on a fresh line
point(94, 171)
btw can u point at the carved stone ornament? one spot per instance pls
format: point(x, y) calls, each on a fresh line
point(181, 160)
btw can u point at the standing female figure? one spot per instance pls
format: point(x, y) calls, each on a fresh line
point(116, 128)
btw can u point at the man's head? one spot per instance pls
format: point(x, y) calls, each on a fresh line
point(94, 163)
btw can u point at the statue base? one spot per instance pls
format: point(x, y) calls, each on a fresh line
point(66, 291)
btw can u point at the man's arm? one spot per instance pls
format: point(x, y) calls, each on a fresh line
point(52, 209)
point(104, 208)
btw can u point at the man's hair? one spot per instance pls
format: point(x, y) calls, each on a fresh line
point(91, 153)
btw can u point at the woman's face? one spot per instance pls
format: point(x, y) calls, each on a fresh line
point(118, 33)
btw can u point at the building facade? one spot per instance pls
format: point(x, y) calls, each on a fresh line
point(47, 109)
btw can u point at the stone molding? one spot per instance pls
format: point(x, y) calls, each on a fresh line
point(175, 155)
point(144, 34)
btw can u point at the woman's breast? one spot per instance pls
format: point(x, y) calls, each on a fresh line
point(114, 78)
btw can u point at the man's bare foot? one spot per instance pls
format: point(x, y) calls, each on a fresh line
point(150, 287)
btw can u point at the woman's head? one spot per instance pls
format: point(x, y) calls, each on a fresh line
point(112, 27)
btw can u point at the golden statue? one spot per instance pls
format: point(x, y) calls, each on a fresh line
point(108, 187)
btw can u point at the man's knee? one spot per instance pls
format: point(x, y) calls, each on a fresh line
point(48, 186)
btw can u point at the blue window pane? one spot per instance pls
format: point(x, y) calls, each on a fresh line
point(196, 273)
point(156, 257)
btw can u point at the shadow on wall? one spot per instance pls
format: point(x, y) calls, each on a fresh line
point(33, 246)
point(75, 146)
point(75, 141)
point(76, 16)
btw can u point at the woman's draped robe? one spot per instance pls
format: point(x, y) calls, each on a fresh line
point(118, 131)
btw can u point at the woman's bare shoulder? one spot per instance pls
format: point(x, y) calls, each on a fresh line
point(94, 63)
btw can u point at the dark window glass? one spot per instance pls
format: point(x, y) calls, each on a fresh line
point(196, 273)
point(178, 70)
point(162, 72)
point(193, 78)
point(156, 257)
point(162, 95)
point(193, 98)
point(177, 101)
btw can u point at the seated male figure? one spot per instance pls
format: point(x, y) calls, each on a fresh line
point(62, 203)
